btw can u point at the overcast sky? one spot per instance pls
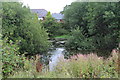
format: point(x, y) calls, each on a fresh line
point(54, 6)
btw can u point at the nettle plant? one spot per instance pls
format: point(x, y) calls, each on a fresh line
point(11, 58)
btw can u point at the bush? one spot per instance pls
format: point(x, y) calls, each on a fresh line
point(28, 70)
point(101, 45)
point(78, 41)
point(61, 31)
point(11, 58)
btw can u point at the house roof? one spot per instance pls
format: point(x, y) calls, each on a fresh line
point(41, 12)
point(57, 15)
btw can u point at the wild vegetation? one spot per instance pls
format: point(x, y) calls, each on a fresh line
point(20, 25)
point(11, 58)
point(22, 34)
point(53, 27)
point(91, 29)
point(77, 66)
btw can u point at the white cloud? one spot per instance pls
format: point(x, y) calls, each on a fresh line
point(50, 5)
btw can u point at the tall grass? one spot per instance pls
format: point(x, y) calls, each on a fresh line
point(77, 66)
point(89, 66)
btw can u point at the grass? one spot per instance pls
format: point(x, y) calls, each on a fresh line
point(63, 36)
point(77, 66)
point(89, 66)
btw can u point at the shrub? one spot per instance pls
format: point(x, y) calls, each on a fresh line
point(78, 41)
point(11, 58)
point(27, 71)
point(61, 31)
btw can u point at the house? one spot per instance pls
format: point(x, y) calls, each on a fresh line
point(40, 12)
point(58, 17)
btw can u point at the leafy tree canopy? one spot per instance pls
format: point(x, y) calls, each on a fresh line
point(19, 24)
point(99, 22)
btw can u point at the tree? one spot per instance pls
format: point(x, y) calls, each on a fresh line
point(103, 25)
point(53, 27)
point(99, 23)
point(74, 15)
point(19, 24)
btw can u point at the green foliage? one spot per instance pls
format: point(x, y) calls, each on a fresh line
point(0, 40)
point(11, 58)
point(19, 24)
point(1, 57)
point(103, 25)
point(77, 66)
point(74, 15)
point(53, 27)
point(89, 66)
point(98, 23)
point(61, 31)
point(77, 41)
point(49, 23)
